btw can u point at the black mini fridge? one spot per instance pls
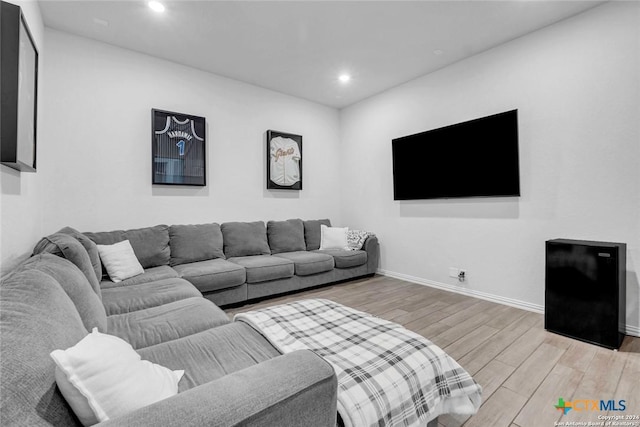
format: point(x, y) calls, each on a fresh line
point(585, 290)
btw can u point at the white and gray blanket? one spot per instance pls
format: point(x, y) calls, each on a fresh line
point(356, 238)
point(387, 375)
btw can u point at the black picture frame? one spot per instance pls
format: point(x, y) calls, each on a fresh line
point(19, 87)
point(284, 161)
point(179, 147)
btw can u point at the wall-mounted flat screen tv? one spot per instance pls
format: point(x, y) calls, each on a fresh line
point(478, 158)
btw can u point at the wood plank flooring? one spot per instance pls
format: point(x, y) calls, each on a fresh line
point(522, 368)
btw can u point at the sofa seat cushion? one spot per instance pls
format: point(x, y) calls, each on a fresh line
point(125, 299)
point(262, 268)
point(307, 263)
point(152, 274)
point(155, 325)
point(212, 354)
point(345, 258)
point(212, 275)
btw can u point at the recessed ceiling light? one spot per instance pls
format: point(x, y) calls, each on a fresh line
point(438, 52)
point(344, 78)
point(156, 6)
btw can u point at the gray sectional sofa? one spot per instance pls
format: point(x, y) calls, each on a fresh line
point(240, 261)
point(233, 375)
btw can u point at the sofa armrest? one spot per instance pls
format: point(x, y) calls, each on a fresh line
point(298, 388)
point(372, 247)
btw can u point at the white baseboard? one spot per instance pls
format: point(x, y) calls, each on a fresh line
point(536, 308)
point(633, 330)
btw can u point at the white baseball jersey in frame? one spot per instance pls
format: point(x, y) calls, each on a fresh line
point(284, 155)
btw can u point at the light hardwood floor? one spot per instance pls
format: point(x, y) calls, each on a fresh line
point(522, 368)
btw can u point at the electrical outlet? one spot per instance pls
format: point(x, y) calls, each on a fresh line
point(462, 275)
point(453, 272)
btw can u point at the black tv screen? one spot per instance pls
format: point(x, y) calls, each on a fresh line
point(478, 158)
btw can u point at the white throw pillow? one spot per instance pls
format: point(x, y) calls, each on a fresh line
point(103, 377)
point(120, 261)
point(333, 237)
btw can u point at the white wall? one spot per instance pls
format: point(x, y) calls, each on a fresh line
point(20, 202)
point(95, 153)
point(576, 87)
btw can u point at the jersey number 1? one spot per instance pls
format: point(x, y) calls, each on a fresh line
point(180, 144)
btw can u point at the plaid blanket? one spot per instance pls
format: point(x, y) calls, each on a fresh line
point(387, 375)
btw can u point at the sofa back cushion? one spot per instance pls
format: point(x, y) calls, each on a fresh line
point(199, 242)
point(150, 244)
point(286, 236)
point(89, 245)
point(312, 232)
point(76, 286)
point(66, 246)
point(37, 317)
point(245, 238)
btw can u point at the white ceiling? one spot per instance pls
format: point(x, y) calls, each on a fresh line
point(300, 47)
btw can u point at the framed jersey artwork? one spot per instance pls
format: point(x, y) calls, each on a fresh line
point(284, 161)
point(178, 148)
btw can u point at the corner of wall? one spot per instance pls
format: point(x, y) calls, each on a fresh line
point(21, 206)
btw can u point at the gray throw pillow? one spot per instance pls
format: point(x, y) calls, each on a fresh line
point(286, 236)
point(245, 238)
point(312, 232)
point(191, 243)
